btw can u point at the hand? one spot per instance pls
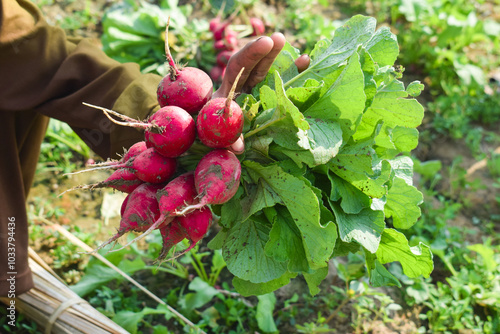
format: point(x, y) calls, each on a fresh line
point(256, 57)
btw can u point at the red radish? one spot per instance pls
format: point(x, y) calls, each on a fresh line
point(224, 56)
point(134, 151)
point(193, 226)
point(177, 134)
point(220, 31)
point(124, 205)
point(231, 39)
point(196, 225)
point(176, 194)
point(171, 234)
point(171, 130)
point(129, 154)
point(220, 121)
point(214, 23)
point(189, 88)
point(220, 45)
point(150, 166)
point(123, 180)
point(217, 21)
point(216, 73)
point(258, 26)
point(217, 178)
point(140, 212)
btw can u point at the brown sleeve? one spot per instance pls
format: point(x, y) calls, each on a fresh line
point(45, 72)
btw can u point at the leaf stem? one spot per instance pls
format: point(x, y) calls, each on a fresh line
point(265, 126)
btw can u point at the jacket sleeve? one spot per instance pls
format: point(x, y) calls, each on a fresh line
point(46, 72)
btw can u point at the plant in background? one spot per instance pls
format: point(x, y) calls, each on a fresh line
point(468, 299)
point(61, 149)
point(135, 32)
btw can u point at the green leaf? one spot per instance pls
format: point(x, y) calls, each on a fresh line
point(488, 255)
point(404, 139)
point(286, 107)
point(402, 204)
point(129, 320)
point(303, 97)
point(416, 260)
point(402, 167)
point(285, 242)
point(314, 279)
point(429, 168)
point(264, 314)
point(204, 293)
point(97, 275)
point(414, 88)
point(354, 164)
point(247, 288)
point(383, 47)
point(259, 196)
point(358, 30)
point(260, 144)
point(303, 206)
point(366, 227)
point(352, 200)
point(379, 275)
point(244, 253)
point(392, 108)
point(344, 101)
point(322, 142)
point(231, 212)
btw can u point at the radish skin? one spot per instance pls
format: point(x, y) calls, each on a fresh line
point(141, 211)
point(177, 134)
point(193, 226)
point(171, 130)
point(171, 234)
point(257, 26)
point(123, 180)
point(150, 166)
point(196, 225)
point(220, 122)
point(175, 195)
point(129, 154)
point(189, 88)
point(217, 178)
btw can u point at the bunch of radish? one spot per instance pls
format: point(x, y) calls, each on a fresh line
point(226, 42)
point(161, 194)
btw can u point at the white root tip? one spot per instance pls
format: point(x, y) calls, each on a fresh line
point(113, 239)
point(144, 234)
point(188, 209)
point(94, 168)
point(84, 186)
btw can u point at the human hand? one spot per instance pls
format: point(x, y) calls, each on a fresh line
point(256, 57)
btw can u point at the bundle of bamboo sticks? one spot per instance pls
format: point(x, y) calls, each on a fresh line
point(56, 308)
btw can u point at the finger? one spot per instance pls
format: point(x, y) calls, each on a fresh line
point(302, 62)
point(248, 57)
point(238, 147)
point(260, 71)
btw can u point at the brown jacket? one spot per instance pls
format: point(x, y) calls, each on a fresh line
point(44, 74)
